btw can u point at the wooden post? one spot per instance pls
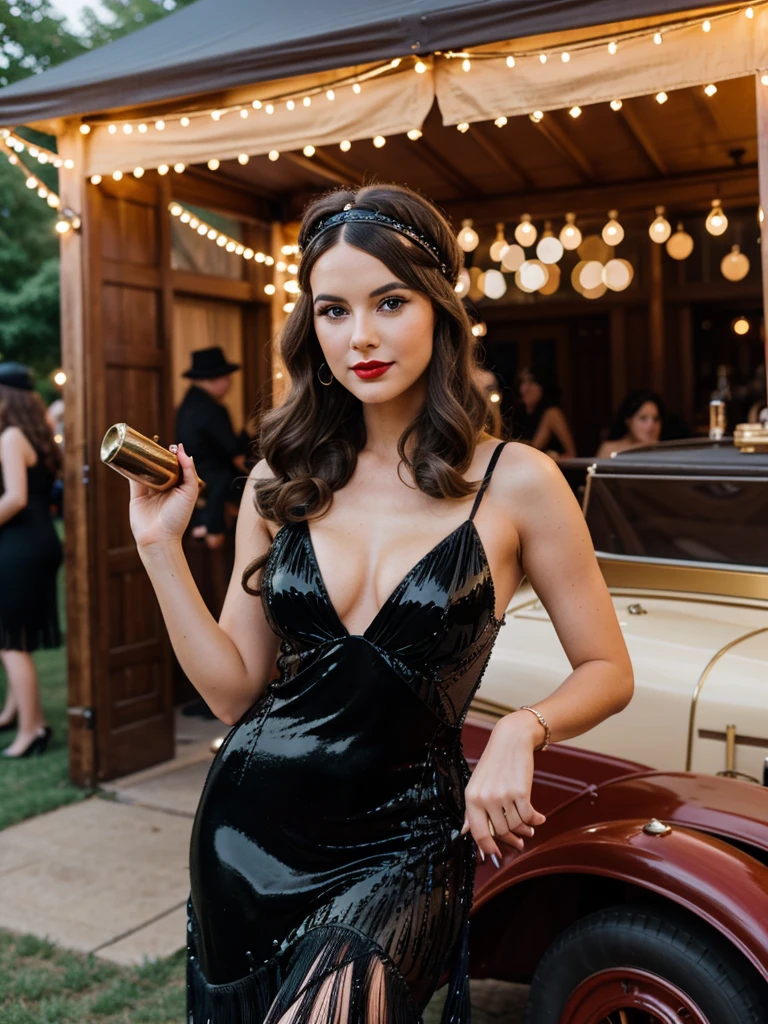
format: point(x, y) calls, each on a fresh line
point(762, 173)
point(656, 318)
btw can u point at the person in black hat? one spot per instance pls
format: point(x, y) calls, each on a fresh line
point(204, 428)
point(30, 554)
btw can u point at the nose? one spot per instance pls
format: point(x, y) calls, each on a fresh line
point(364, 335)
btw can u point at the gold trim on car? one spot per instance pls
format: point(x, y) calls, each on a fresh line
point(700, 685)
point(625, 572)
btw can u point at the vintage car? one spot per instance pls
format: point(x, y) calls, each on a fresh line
point(681, 535)
point(643, 899)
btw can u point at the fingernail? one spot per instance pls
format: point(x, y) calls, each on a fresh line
point(495, 861)
point(482, 856)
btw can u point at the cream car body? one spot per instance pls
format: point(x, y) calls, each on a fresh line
point(697, 632)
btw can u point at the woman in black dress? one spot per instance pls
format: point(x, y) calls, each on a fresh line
point(30, 554)
point(380, 541)
point(539, 418)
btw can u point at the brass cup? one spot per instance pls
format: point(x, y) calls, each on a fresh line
point(751, 437)
point(139, 458)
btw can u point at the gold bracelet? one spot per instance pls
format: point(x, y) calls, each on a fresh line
point(542, 720)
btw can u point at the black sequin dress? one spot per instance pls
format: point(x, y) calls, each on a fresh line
point(330, 881)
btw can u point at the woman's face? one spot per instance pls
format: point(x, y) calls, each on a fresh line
point(531, 393)
point(645, 426)
point(365, 318)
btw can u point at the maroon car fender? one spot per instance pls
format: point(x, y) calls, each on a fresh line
point(718, 883)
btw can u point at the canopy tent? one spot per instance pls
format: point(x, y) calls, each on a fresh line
point(366, 100)
point(216, 45)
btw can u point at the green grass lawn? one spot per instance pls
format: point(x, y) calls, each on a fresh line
point(43, 984)
point(33, 785)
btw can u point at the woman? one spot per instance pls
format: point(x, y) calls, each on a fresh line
point(542, 423)
point(638, 422)
point(332, 854)
point(30, 554)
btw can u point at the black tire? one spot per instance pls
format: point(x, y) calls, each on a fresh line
point(686, 954)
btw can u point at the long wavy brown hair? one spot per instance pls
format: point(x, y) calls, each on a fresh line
point(26, 410)
point(311, 440)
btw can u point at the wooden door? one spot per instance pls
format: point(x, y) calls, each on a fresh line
point(120, 683)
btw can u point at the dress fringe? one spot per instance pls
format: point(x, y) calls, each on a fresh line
point(331, 975)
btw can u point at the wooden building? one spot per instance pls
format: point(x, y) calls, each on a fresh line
point(229, 118)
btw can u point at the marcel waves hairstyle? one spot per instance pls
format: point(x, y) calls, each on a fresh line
point(26, 410)
point(311, 440)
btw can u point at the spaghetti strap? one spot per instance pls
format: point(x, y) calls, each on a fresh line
point(487, 478)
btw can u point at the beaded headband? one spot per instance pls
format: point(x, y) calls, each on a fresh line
point(358, 215)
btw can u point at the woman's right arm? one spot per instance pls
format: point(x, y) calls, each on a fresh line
point(229, 662)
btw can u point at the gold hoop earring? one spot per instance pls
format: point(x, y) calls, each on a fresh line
point(325, 383)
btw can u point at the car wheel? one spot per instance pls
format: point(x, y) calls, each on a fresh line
point(626, 965)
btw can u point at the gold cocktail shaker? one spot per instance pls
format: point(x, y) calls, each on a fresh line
point(140, 458)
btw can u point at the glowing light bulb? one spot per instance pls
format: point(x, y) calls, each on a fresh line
point(184, 122)
point(243, 159)
point(710, 89)
point(309, 150)
point(661, 97)
point(357, 88)
point(543, 58)
point(510, 61)
point(138, 172)
point(500, 121)
point(500, 244)
point(290, 105)
point(525, 232)
point(707, 25)
point(616, 104)
point(330, 94)
point(216, 115)
point(468, 238)
point(414, 134)
point(575, 112)
point(466, 64)
point(213, 164)
point(95, 179)
point(345, 145)
point(307, 101)
point(749, 13)
point(274, 154)
point(536, 116)
point(269, 289)
point(419, 67)
point(159, 126)
point(163, 169)
point(85, 129)
point(179, 168)
point(660, 228)
point(256, 104)
point(117, 175)
point(379, 141)
point(462, 127)
point(269, 108)
point(613, 232)
point(612, 48)
point(570, 236)
point(549, 249)
point(657, 38)
point(716, 222)
point(565, 56)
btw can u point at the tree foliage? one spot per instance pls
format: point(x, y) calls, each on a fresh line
point(34, 37)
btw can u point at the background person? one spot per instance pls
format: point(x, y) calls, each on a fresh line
point(541, 422)
point(639, 420)
point(30, 554)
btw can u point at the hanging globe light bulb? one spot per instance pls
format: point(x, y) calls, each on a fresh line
point(735, 266)
point(617, 275)
point(500, 244)
point(716, 222)
point(570, 236)
point(468, 238)
point(591, 275)
point(494, 284)
point(549, 249)
point(513, 258)
point(660, 229)
point(462, 285)
point(531, 276)
point(613, 232)
point(680, 245)
point(525, 232)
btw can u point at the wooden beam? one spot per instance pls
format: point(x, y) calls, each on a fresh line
point(318, 168)
point(687, 193)
point(559, 138)
point(443, 169)
point(762, 162)
point(640, 135)
point(477, 133)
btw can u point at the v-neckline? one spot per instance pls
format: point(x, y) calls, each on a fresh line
point(393, 594)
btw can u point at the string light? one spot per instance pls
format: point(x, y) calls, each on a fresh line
point(543, 58)
point(500, 121)
point(710, 89)
point(466, 64)
point(309, 150)
point(468, 238)
point(570, 236)
point(345, 145)
point(274, 154)
point(575, 112)
point(657, 38)
point(536, 116)
point(661, 97)
point(613, 232)
point(85, 129)
point(565, 56)
point(379, 141)
point(213, 164)
point(462, 127)
point(525, 232)
point(716, 222)
point(707, 25)
point(616, 104)
point(510, 61)
point(660, 228)
point(749, 12)
point(414, 134)
point(419, 67)
point(612, 47)
point(500, 244)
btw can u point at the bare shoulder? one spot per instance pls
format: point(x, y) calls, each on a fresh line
point(248, 510)
point(261, 471)
point(13, 441)
point(527, 481)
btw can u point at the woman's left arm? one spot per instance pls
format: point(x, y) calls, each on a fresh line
point(558, 558)
point(14, 497)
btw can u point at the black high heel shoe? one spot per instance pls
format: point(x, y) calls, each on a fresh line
point(10, 724)
point(35, 746)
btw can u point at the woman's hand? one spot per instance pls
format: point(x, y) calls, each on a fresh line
point(161, 517)
point(498, 796)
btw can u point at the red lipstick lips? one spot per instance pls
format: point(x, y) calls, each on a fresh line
point(372, 368)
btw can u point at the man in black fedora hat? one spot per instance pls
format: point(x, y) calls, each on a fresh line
point(204, 428)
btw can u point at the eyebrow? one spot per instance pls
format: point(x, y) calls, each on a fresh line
point(373, 294)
